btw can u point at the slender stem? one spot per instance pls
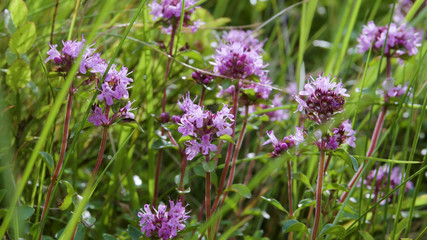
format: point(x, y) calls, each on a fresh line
point(237, 150)
point(375, 208)
point(310, 213)
point(318, 195)
point(61, 157)
point(208, 197)
point(156, 179)
point(229, 152)
point(101, 151)
point(181, 180)
point(374, 141)
point(327, 164)
point(202, 96)
point(291, 211)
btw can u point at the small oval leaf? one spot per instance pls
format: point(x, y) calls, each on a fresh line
point(293, 225)
point(241, 189)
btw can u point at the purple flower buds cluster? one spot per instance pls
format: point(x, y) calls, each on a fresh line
point(286, 143)
point(321, 99)
point(169, 11)
point(382, 178)
point(344, 134)
point(70, 52)
point(390, 90)
point(240, 57)
point(164, 224)
point(202, 78)
point(401, 39)
point(203, 126)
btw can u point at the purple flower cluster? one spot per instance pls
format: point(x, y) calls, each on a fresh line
point(70, 52)
point(321, 99)
point(203, 125)
point(202, 78)
point(382, 178)
point(166, 224)
point(246, 38)
point(401, 39)
point(390, 90)
point(235, 60)
point(344, 134)
point(169, 11)
point(286, 143)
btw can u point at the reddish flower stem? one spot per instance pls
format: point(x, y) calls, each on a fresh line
point(61, 157)
point(327, 164)
point(202, 96)
point(208, 197)
point(156, 179)
point(318, 195)
point(229, 152)
point(103, 144)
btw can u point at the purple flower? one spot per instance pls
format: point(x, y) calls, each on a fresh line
point(401, 39)
point(246, 38)
point(202, 125)
point(286, 143)
point(98, 118)
point(70, 52)
point(381, 180)
point(124, 112)
point(166, 224)
point(321, 99)
point(202, 78)
point(115, 85)
point(169, 11)
point(236, 61)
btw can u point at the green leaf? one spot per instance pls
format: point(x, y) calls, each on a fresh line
point(69, 198)
point(48, 160)
point(293, 225)
point(18, 11)
point(208, 166)
point(25, 212)
point(304, 204)
point(107, 236)
point(192, 55)
point(22, 40)
point(10, 56)
point(275, 203)
point(366, 235)
point(301, 177)
point(227, 138)
point(18, 75)
point(350, 160)
point(337, 230)
point(134, 233)
point(186, 138)
point(335, 186)
point(241, 189)
point(160, 143)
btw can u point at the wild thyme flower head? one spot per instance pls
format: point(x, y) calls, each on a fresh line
point(115, 85)
point(70, 52)
point(202, 78)
point(286, 143)
point(343, 134)
point(321, 99)
point(165, 224)
point(382, 177)
point(246, 38)
point(401, 39)
point(203, 126)
point(236, 61)
point(169, 11)
point(391, 90)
